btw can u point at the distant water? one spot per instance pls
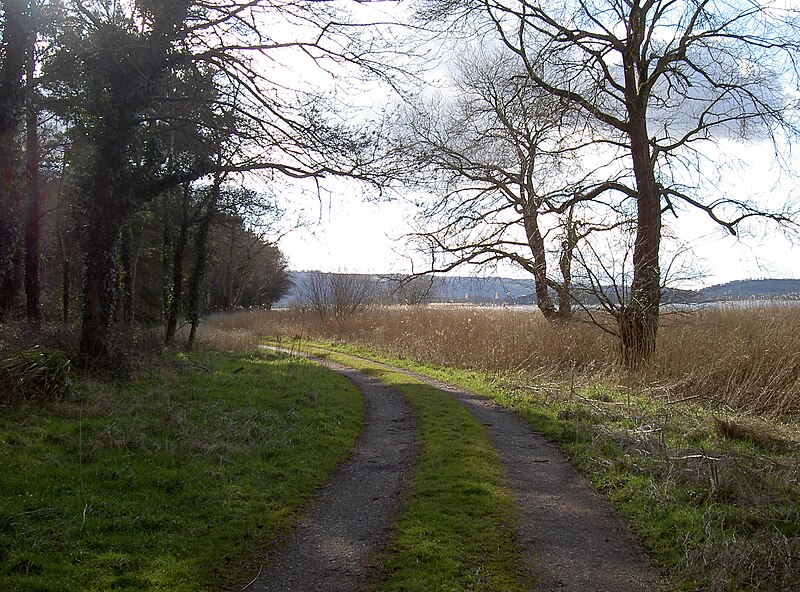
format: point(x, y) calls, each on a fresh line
point(733, 304)
point(676, 306)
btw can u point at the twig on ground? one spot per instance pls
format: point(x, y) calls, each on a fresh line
point(251, 582)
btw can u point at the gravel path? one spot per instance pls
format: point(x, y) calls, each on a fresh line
point(337, 548)
point(570, 533)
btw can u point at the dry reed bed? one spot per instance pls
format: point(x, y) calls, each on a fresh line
point(746, 359)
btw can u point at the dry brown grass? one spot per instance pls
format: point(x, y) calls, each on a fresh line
point(744, 359)
point(225, 334)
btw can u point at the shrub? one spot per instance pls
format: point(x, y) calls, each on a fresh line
point(34, 374)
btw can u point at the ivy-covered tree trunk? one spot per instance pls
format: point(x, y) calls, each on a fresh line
point(201, 262)
point(34, 209)
point(104, 218)
point(12, 101)
point(65, 267)
point(99, 296)
point(126, 275)
point(121, 86)
point(177, 269)
point(166, 262)
point(66, 278)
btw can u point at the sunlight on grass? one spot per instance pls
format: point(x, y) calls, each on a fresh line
point(175, 482)
point(748, 359)
point(721, 514)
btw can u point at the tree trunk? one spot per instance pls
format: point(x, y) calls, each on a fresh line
point(9, 244)
point(104, 218)
point(227, 301)
point(536, 244)
point(177, 269)
point(126, 275)
point(13, 285)
point(34, 211)
point(99, 295)
point(65, 280)
point(565, 265)
point(564, 288)
point(638, 319)
point(65, 263)
point(12, 102)
point(198, 274)
point(64, 253)
point(166, 260)
point(108, 197)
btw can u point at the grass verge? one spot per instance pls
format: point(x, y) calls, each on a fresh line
point(172, 482)
point(455, 531)
point(715, 500)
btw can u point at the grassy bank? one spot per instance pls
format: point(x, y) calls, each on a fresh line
point(454, 532)
point(173, 482)
point(715, 499)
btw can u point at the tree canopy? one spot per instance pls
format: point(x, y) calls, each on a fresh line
point(155, 100)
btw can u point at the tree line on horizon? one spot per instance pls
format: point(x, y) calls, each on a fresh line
point(327, 292)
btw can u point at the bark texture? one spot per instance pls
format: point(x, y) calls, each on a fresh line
point(12, 102)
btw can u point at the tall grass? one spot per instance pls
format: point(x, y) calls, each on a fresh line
point(745, 359)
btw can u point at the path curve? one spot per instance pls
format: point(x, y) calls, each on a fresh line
point(337, 547)
point(571, 534)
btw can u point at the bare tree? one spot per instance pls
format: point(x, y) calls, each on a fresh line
point(662, 83)
point(499, 153)
point(252, 269)
point(415, 290)
point(338, 295)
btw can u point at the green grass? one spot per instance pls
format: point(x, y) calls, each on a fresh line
point(455, 531)
point(173, 482)
point(719, 514)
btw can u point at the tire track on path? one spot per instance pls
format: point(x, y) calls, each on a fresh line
point(571, 534)
point(337, 547)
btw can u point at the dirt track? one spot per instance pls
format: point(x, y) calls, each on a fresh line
point(569, 533)
point(337, 548)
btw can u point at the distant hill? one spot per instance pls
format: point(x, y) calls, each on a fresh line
point(498, 290)
point(776, 289)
